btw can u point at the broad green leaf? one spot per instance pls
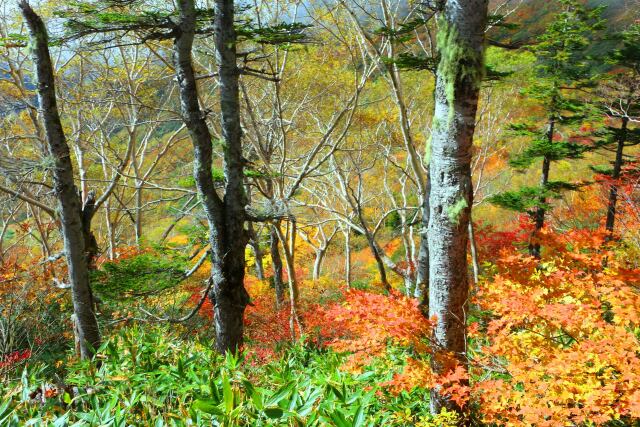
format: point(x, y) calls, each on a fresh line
point(273, 412)
point(207, 406)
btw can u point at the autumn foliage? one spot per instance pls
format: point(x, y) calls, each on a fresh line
point(558, 338)
point(365, 322)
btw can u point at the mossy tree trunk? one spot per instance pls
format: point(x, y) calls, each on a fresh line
point(225, 216)
point(460, 42)
point(75, 229)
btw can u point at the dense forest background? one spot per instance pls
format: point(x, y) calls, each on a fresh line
point(322, 213)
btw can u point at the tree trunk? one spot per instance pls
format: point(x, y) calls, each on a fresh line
point(138, 215)
point(376, 255)
point(254, 241)
point(69, 205)
point(474, 252)
point(461, 27)
point(276, 262)
point(111, 238)
point(317, 264)
point(347, 257)
point(375, 249)
point(90, 242)
point(534, 246)
point(617, 167)
point(289, 258)
point(231, 296)
point(225, 217)
point(421, 292)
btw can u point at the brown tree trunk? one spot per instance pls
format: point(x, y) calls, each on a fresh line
point(226, 217)
point(254, 242)
point(231, 296)
point(617, 168)
point(69, 205)
point(534, 246)
point(276, 262)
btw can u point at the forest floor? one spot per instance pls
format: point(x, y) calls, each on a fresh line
point(550, 341)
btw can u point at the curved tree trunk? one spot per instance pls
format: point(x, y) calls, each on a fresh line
point(317, 264)
point(69, 204)
point(461, 27)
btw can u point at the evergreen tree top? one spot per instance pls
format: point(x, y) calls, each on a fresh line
point(147, 21)
point(529, 199)
point(628, 55)
point(562, 49)
point(553, 150)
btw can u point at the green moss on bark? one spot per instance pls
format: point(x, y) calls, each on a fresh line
point(454, 211)
point(458, 62)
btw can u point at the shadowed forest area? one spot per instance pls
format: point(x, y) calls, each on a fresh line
point(339, 213)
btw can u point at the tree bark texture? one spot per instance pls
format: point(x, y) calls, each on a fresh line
point(617, 168)
point(69, 204)
point(461, 27)
point(225, 216)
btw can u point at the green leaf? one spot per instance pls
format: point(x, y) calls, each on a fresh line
point(257, 399)
point(227, 393)
point(359, 418)
point(208, 406)
point(281, 393)
point(273, 412)
point(335, 391)
point(339, 419)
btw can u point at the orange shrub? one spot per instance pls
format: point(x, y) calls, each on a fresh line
point(562, 334)
point(365, 322)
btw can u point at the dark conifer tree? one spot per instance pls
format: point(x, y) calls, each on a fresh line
point(563, 72)
point(621, 95)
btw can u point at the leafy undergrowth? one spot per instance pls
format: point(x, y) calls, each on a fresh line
point(137, 273)
point(150, 376)
point(558, 339)
point(552, 342)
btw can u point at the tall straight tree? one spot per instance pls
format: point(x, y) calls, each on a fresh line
point(230, 296)
point(622, 98)
point(460, 43)
point(69, 205)
point(226, 215)
point(563, 71)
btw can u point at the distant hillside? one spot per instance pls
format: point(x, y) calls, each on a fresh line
point(532, 16)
